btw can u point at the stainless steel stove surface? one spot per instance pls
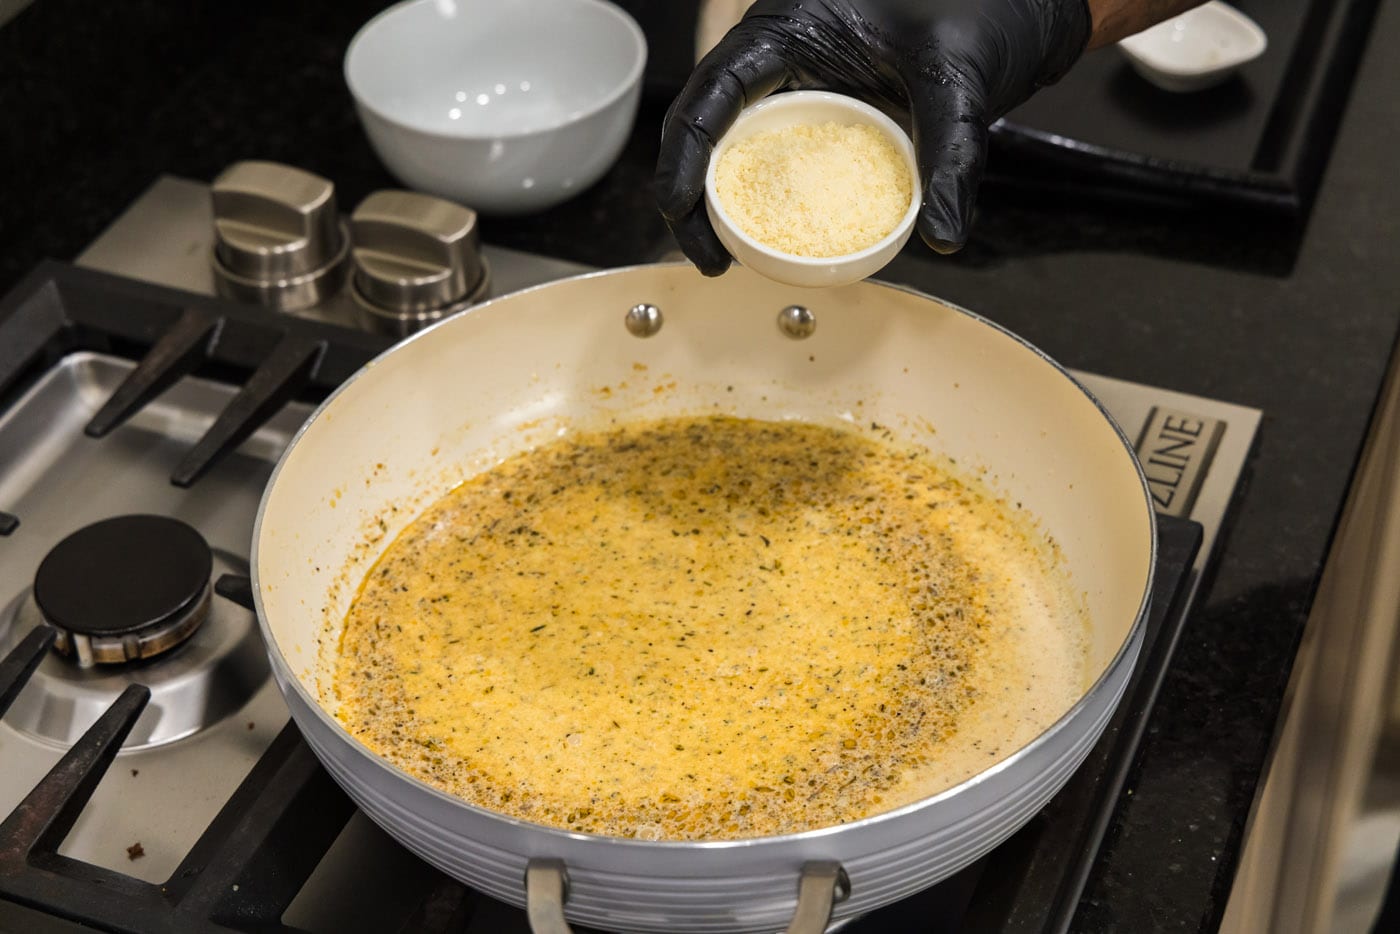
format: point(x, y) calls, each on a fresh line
point(215, 718)
point(59, 480)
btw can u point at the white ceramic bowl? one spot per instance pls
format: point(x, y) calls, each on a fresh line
point(793, 109)
point(507, 106)
point(1200, 48)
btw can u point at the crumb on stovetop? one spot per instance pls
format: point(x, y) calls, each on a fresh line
point(135, 772)
point(251, 724)
point(135, 851)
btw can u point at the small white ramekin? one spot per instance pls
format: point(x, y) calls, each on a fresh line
point(810, 107)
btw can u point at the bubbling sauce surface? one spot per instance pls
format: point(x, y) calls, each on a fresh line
point(710, 628)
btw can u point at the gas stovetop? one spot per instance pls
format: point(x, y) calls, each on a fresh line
point(169, 793)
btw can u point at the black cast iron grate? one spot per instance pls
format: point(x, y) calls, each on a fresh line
point(240, 875)
point(253, 859)
point(60, 309)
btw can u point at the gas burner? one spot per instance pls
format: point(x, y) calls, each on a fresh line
point(124, 589)
point(135, 590)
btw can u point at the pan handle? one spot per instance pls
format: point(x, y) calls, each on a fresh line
point(546, 890)
point(822, 886)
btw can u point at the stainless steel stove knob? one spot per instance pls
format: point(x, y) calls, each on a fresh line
point(278, 239)
point(417, 259)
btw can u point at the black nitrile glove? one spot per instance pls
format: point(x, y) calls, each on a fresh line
point(952, 66)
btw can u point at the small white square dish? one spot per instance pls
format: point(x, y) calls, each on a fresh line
point(1198, 49)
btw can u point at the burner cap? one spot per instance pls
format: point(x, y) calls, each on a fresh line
point(125, 588)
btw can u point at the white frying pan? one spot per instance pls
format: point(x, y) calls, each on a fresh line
point(510, 373)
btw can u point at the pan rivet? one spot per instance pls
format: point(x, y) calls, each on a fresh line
point(797, 322)
point(643, 320)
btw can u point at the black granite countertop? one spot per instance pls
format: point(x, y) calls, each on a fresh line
point(100, 99)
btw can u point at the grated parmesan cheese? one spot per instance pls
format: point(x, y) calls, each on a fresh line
point(815, 190)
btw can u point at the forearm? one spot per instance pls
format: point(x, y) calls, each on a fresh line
point(1115, 19)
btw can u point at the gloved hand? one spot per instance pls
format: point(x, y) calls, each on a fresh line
point(953, 67)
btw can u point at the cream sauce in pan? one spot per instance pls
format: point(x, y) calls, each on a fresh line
point(710, 627)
